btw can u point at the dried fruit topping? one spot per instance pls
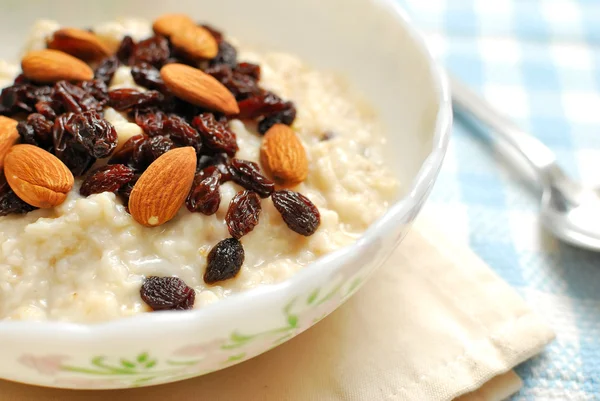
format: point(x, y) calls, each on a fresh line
point(125, 191)
point(152, 122)
point(36, 130)
point(126, 99)
point(283, 157)
point(154, 51)
point(125, 50)
point(79, 43)
point(157, 146)
point(261, 105)
point(219, 161)
point(216, 136)
point(205, 196)
point(247, 174)
point(108, 178)
point(214, 32)
point(49, 109)
point(106, 69)
point(195, 42)
point(286, 117)
point(52, 65)
point(148, 76)
point(22, 97)
point(227, 55)
point(240, 85)
point(87, 131)
point(167, 293)
point(10, 203)
point(167, 24)
point(88, 95)
point(243, 213)
point(249, 69)
point(8, 137)
point(194, 86)
point(224, 261)
point(297, 211)
point(37, 177)
point(157, 196)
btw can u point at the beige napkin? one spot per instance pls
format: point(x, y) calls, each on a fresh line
point(433, 324)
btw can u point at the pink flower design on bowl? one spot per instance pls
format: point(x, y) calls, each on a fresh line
point(47, 365)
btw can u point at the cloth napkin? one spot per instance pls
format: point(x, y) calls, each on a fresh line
point(433, 324)
point(537, 61)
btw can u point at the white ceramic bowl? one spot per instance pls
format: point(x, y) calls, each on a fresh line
point(381, 53)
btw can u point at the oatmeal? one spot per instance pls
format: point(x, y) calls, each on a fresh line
point(90, 258)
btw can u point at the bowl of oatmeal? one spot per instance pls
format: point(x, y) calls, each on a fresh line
point(184, 188)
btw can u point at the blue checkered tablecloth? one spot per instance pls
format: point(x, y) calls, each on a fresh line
point(538, 61)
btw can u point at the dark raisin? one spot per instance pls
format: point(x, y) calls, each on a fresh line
point(125, 50)
point(261, 105)
point(89, 130)
point(22, 98)
point(154, 51)
point(126, 99)
point(240, 85)
point(214, 32)
point(286, 117)
point(77, 159)
point(125, 154)
point(224, 261)
point(167, 293)
point(10, 203)
point(125, 191)
point(182, 133)
point(108, 178)
point(157, 146)
point(88, 95)
point(106, 69)
point(151, 122)
point(249, 69)
point(243, 213)
point(36, 130)
point(204, 196)
point(227, 55)
point(49, 109)
point(297, 211)
point(247, 174)
point(148, 76)
point(216, 136)
point(219, 161)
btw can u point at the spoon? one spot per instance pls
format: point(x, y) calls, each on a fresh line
point(568, 209)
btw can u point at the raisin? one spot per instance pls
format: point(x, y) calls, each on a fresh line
point(125, 191)
point(151, 122)
point(156, 147)
point(250, 69)
point(225, 261)
point(243, 213)
point(148, 76)
point(297, 211)
point(214, 32)
point(108, 178)
point(36, 130)
point(125, 50)
point(286, 117)
point(154, 51)
point(227, 55)
point(167, 293)
point(10, 203)
point(88, 95)
point(49, 109)
point(261, 105)
point(106, 69)
point(216, 136)
point(77, 159)
point(126, 99)
point(182, 133)
point(125, 153)
point(89, 130)
point(240, 85)
point(204, 196)
point(247, 174)
point(22, 98)
point(218, 161)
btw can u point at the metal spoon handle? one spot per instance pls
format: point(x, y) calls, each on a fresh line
point(538, 156)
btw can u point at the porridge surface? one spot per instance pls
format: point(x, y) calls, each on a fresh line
point(86, 259)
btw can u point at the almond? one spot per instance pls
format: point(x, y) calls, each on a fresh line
point(199, 88)
point(283, 157)
point(37, 177)
point(168, 24)
point(163, 187)
point(79, 43)
point(195, 41)
point(8, 136)
point(53, 65)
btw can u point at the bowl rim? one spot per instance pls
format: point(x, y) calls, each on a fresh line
point(419, 189)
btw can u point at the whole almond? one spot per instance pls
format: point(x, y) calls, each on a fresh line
point(79, 43)
point(163, 187)
point(53, 65)
point(195, 41)
point(37, 177)
point(168, 24)
point(8, 136)
point(199, 88)
point(283, 157)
